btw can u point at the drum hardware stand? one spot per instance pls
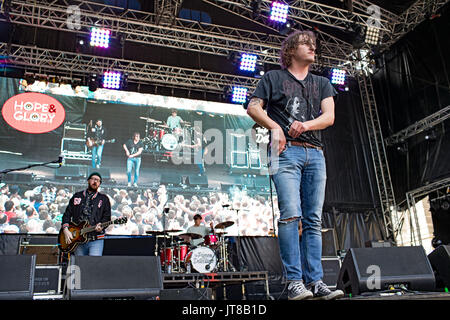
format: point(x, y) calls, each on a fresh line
point(238, 242)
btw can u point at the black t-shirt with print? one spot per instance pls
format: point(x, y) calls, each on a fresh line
point(134, 147)
point(289, 99)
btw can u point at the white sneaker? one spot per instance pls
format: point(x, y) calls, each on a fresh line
point(321, 292)
point(135, 184)
point(129, 184)
point(298, 291)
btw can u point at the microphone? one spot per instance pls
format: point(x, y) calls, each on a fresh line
point(225, 205)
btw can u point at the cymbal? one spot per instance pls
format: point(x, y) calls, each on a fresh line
point(221, 232)
point(224, 225)
point(150, 120)
point(192, 235)
point(155, 232)
point(173, 231)
point(162, 125)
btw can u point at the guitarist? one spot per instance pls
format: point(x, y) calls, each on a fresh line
point(96, 136)
point(89, 205)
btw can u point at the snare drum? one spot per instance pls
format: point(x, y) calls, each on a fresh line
point(210, 240)
point(202, 259)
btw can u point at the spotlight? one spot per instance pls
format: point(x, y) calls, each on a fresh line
point(239, 95)
point(338, 76)
point(248, 62)
point(372, 35)
point(279, 12)
point(100, 37)
point(112, 80)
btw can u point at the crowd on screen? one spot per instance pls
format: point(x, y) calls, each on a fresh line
point(40, 210)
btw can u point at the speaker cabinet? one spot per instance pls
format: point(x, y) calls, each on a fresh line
point(440, 262)
point(195, 180)
point(329, 247)
point(113, 277)
point(186, 294)
point(375, 269)
point(17, 277)
point(331, 267)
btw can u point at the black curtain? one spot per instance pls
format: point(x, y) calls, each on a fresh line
point(412, 83)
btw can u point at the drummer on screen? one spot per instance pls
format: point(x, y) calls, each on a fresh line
point(200, 229)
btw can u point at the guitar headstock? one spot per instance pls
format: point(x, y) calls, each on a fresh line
point(121, 220)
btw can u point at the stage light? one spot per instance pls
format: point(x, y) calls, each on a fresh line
point(279, 12)
point(112, 80)
point(372, 35)
point(239, 95)
point(338, 76)
point(248, 62)
point(100, 37)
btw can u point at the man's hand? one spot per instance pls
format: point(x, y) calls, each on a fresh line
point(297, 128)
point(98, 227)
point(68, 236)
point(278, 140)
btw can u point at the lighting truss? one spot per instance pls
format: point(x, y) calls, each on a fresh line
point(68, 63)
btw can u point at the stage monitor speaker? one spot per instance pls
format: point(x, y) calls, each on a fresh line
point(68, 172)
point(104, 172)
point(375, 269)
point(195, 180)
point(378, 244)
point(171, 178)
point(18, 177)
point(329, 248)
point(113, 277)
point(226, 187)
point(440, 262)
point(186, 294)
point(17, 277)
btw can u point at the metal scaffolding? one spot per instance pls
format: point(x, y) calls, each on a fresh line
point(164, 28)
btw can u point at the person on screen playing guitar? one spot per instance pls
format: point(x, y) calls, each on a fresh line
point(89, 205)
point(96, 140)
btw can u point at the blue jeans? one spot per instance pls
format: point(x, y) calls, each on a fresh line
point(91, 248)
point(97, 156)
point(300, 178)
point(136, 163)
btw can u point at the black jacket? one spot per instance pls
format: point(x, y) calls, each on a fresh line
point(101, 209)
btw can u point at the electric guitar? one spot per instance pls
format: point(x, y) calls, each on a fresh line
point(79, 233)
point(91, 142)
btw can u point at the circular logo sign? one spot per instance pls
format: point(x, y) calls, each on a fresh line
point(33, 112)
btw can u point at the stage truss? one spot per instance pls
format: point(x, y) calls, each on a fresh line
point(164, 28)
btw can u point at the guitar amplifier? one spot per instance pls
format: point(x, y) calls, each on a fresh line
point(74, 130)
point(47, 280)
point(45, 249)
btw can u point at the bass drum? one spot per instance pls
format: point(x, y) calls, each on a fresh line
point(202, 259)
point(169, 142)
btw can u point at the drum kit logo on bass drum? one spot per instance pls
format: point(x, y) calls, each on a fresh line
point(209, 256)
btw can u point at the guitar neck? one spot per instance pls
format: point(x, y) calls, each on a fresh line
point(92, 228)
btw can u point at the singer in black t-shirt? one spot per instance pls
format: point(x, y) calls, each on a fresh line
point(133, 149)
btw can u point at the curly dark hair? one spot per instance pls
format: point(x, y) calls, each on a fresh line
point(291, 43)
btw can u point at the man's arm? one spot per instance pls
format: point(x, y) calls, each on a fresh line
point(256, 112)
point(126, 150)
point(325, 120)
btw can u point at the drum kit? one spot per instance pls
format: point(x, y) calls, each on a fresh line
point(179, 257)
point(158, 136)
